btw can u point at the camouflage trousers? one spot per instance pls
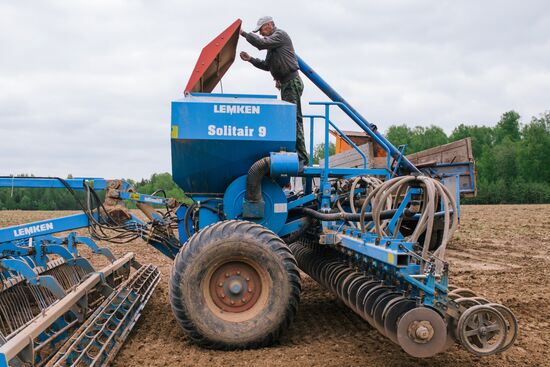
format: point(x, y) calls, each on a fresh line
point(291, 91)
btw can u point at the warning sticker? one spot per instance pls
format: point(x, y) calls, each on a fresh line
point(174, 132)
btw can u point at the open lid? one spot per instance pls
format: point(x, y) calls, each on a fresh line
point(214, 60)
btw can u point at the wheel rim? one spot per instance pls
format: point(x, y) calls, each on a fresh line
point(236, 290)
point(482, 330)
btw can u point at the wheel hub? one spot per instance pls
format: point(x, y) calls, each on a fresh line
point(235, 286)
point(421, 331)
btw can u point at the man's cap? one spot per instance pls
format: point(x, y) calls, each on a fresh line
point(261, 22)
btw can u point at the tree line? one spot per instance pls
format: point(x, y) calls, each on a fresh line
point(512, 163)
point(512, 160)
point(62, 199)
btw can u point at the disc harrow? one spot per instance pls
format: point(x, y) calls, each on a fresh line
point(483, 328)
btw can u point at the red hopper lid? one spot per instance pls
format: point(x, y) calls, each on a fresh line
point(215, 60)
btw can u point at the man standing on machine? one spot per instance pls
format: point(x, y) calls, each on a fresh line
point(282, 63)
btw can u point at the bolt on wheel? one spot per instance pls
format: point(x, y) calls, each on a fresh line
point(235, 287)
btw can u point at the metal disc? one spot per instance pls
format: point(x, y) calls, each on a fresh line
point(482, 330)
point(341, 281)
point(461, 292)
point(336, 276)
point(467, 302)
point(324, 271)
point(319, 268)
point(370, 299)
point(348, 281)
point(451, 339)
point(361, 293)
point(354, 287)
point(391, 303)
point(422, 332)
point(481, 300)
point(330, 281)
point(380, 306)
point(392, 314)
point(511, 325)
point(338, 281)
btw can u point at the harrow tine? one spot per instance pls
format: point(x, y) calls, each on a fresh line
point(101, 336)
point(44, 328)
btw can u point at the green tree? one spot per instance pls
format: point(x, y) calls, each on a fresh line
point(508, 127)
point(319, 151)
point(416, 139)
point(400, 135)
point(425, 138)
point(162, 181)
point(480, 136)
point(534, 154)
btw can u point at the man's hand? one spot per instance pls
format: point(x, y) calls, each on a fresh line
point(245, 56)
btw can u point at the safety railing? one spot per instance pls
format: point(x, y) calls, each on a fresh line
point(329, 123)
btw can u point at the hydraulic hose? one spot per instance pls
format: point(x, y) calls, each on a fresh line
point(254, 180)
point(434, 194)
point(354, 217)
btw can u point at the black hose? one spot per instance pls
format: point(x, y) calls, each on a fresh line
point(386, 214)
point(254, 180)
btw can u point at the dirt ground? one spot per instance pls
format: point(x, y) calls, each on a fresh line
point(501, 252)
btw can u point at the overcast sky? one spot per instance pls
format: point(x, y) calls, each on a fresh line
point(86, 86)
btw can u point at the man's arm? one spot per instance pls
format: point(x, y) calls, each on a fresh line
point(264, 43)
point(260, 64)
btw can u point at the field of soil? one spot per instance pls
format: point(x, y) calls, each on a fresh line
point(501, 252)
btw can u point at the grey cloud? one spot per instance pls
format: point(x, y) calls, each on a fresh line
point(87, 86)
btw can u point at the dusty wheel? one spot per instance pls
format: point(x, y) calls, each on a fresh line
point(511, 325)
point(482, 330)
point(234, 285)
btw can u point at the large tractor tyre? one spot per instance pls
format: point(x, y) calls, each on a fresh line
point(235, 285)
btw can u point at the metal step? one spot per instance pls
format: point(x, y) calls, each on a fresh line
point(101, 336)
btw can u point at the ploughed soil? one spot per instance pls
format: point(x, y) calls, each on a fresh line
point(500, 252)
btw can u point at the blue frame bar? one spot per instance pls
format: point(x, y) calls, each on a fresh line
point(351, 112)
point(343, 172)
point(143, 198)
point(52, 183)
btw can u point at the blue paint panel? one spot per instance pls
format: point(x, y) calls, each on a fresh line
point(216, 139)
point(275, 213)
point(43, 227)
